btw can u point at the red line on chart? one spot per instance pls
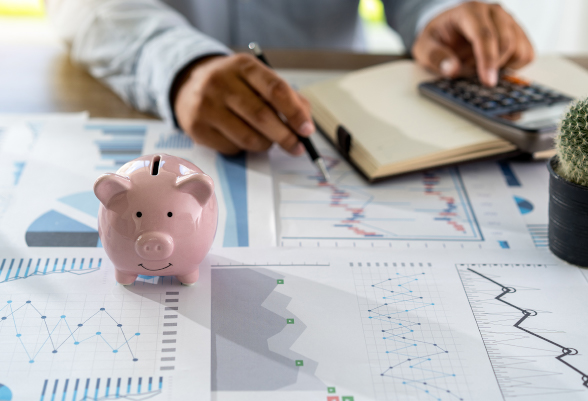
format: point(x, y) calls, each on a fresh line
point(430, 181)
point(339, 197)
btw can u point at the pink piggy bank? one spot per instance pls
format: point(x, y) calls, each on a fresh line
point(158, 216)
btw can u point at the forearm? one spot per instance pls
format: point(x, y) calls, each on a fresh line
point(136, 47)
point(409, 17)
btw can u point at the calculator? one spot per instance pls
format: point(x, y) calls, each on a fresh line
point(523, 112)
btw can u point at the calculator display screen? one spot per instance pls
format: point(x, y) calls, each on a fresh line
point(537, 117)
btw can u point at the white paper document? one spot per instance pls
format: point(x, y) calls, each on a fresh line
point(488, 205)
point(18, 136)
point(52, 202)
point(68, 331)
point(351, 325)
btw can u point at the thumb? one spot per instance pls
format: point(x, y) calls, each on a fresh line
point(438, 58)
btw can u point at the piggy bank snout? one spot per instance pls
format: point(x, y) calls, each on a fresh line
point(154, 245)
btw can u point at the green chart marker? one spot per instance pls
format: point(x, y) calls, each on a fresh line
point(300, 363)
point(347, 398)
point(290, 321)
point(331, 390)
point(280, 281)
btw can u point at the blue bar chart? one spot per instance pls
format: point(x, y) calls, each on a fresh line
point(19, 269)
point(122, 143)
point(135, 388)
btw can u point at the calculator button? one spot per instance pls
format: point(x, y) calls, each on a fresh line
point(523, 99)
point(489, 105)
point(466, 96)
point(507, 102)
point(485, 92)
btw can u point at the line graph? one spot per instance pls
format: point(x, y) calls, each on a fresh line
point(18, 269)
point(403, 348)
point(52, 338)
point(528, 363)
point(527, 313)
point(99, 389)
point(346, 209)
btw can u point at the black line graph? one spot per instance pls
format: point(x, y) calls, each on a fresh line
point(510, 352)
point(527, 313)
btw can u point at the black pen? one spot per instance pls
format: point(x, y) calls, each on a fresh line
point(310, 149)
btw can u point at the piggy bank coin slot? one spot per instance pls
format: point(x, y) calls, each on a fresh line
point(155, 165)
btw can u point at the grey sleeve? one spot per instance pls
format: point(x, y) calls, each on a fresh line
point(409, 17)
point(136, 47)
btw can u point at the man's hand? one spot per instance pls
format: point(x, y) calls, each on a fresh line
point(472, 37)
point(231, 103)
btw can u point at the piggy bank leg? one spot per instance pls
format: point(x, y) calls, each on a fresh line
point(190, 278)
point(124, 278)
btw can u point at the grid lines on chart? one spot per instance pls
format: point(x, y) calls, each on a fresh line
point(77, 333)
point(524, 353)
point(345, 209)
point(410, 355)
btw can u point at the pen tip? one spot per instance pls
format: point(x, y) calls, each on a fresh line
point(320, 163)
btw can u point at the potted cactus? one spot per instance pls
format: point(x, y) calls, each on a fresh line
point(568, 188)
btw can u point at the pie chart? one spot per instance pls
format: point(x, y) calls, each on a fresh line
point(56, 228)
point(5, 393)
point(524, 205)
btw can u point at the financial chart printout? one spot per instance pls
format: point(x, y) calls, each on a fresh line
point(475, 206)
point(47, 199)
point(68, 331)
point(378, 325)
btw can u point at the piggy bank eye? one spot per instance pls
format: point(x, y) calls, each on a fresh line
point(169, 214)
point(139, 214)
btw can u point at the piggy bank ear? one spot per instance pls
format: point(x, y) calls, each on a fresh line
point(200, 186)
point(107, 186)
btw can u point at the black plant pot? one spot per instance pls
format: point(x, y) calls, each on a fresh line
point(568, 218)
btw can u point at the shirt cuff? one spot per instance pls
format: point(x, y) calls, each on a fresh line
point(163, 58)
point(433, 10)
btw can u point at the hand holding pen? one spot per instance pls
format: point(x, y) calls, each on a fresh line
point(232, 103)
point(310, 149)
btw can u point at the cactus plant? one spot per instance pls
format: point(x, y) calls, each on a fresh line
point(572, 144)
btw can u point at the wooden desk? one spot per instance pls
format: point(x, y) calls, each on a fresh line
point(41, 79)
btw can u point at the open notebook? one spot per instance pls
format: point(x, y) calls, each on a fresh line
point(393, 129)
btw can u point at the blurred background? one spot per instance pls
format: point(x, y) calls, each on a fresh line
point(553, 26)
